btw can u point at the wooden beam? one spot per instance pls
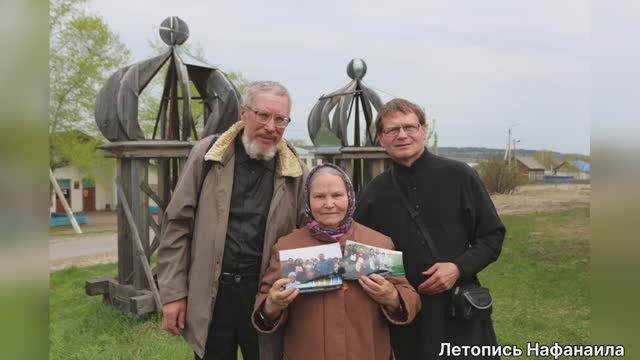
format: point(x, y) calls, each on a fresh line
point(147, 148)
point(155, 244)
point(99, 285)
point(164, 183)
point(154, 226)
point(152, 194)
point(125, 246)
point(63, 201)
point(139, 206)
point(156, 238)
point(124, 297)
point(138, 245)
point(129, 300)
point(142, 304)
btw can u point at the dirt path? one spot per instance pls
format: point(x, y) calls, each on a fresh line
point(85, 249)
point(544, 197)
point(98, 243)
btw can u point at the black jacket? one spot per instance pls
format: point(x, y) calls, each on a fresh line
point(466, 229)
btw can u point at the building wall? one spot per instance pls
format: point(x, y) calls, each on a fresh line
point(106, 194)
point(76, 194)
point(310, 160)
point(536, 175)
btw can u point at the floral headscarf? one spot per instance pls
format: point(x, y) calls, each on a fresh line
point(344, 225)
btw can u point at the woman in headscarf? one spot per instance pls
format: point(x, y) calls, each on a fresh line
point(348, 323)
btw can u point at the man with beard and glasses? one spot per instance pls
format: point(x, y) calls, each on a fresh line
point(236, 195)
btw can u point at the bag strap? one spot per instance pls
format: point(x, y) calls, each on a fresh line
point(415, 216)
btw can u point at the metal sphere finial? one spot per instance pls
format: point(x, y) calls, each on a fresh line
point(357, 69)
point(174, 31)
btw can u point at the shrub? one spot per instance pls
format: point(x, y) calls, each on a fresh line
point(498, 176)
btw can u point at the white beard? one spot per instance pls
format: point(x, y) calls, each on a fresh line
point(254, 151)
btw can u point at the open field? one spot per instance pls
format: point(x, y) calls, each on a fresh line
point(541, 281)
point(543, 197)
point(64, 244)
point(540, 285)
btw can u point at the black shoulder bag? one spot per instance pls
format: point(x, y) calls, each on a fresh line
point(468, 301)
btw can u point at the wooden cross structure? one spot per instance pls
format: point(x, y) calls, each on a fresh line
point(134, 289)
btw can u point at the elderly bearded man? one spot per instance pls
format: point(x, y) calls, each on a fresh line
point(459, 216)
point(218, 229)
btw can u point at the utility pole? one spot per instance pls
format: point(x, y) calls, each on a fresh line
point(432, 137)
point(507, 148)
point(515, 141)
point(507, 151)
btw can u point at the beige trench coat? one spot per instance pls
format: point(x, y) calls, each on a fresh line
point(192, 242)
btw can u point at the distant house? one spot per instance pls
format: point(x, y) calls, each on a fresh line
point(530, 166)
point(307, 157)
point(576, 169)
point(81, 193)
point(84, 194)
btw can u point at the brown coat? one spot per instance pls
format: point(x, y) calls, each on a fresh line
point(192, 242)
point(340, 324)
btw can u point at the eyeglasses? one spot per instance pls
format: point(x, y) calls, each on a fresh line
point(263, 118)
point(394, 131)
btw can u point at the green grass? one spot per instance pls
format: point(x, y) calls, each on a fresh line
point(540, 287)
point(83, 327)
point(540, 283)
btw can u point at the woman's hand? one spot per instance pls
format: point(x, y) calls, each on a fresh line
point(278, 298)
point(381, 291)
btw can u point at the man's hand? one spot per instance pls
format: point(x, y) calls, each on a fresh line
point(442, 276)
point(381, 291)
point(279, 299)
point(174, 314)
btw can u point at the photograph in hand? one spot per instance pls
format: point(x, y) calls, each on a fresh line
point(360, 259)
point(312, 268)
point(331, 282)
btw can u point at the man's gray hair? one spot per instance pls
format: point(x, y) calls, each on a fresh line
point(264, 86)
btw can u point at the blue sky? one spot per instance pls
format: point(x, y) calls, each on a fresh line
point(475, 66)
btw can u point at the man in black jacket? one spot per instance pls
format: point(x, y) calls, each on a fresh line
point(459, 216)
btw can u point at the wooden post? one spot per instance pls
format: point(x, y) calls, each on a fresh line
point(134, 290)
point(142, 257)
point(140, 211)
point(347, 166)
point(164, 184)
point(373, 168)
point(125, 255)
